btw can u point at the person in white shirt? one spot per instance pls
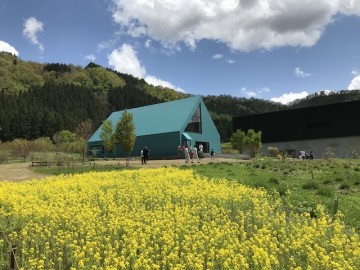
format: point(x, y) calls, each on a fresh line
point(195, 155)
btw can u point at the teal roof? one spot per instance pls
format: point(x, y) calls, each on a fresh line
point(158, 118)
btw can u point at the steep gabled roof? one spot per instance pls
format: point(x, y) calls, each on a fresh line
point(158, 118)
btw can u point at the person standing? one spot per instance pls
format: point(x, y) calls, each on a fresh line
point(195, 155)
point(201, 148)
point(212, 154)
point(142, 156)
point(187, 156)
point(146, 154)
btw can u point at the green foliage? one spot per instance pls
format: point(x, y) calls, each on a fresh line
point(253, 142)
point(273, 180)
point(290, 185)
point(43, 144)
point(310, 185)
point(238, 140)
point(38, 100)
point(250, 142)
point(107, 136)
point(125, 132)
point(344, 186)
point(326, 192)
point(273, 151)
point(67, 141)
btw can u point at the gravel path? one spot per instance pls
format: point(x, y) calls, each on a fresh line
point(18, 172)
point(22, 171)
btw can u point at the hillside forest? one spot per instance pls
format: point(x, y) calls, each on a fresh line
point(39, 100)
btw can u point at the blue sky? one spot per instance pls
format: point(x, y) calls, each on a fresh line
point(276, 50)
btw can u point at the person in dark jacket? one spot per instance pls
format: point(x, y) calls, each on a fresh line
point(146, 152)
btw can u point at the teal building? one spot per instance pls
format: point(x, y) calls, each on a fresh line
point(163, 128)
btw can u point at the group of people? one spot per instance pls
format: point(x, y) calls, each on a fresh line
point(192, 153)
point(306, 155)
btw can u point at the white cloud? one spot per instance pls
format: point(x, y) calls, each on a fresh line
point(248, 93)
point(218, 56)
point(32, 27)
point(254, 93)
point(355, 84)
point(355, 72)
point(289, 97)
point(231, 61)
point(107, 44)
point(148, 43)
point(158, 82)
point(300, 73)
point(6, 47)
point(125, 60)
point(243, 25)
point(90, 57)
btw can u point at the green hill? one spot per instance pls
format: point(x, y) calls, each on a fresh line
point(39, 100)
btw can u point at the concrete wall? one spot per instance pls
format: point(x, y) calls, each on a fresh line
point(342, 147)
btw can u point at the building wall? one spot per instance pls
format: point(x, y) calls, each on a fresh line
point(326, 121)
point(160, 145)
point(343, 147)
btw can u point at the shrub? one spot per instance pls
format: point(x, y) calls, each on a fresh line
point(344, 186)
point(310, 185)
point(281, 190)
point(357, 182)
point(273, 180)
point(327, 182)
point(273, 151)
point(326, 192)
point(339, 179)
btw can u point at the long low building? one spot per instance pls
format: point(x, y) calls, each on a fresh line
point(163, 128)
point(332, 127)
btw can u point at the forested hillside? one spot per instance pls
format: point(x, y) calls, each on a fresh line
point(39, 100)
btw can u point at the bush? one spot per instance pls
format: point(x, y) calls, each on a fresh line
point(273, 181)
point(310, 185)
point(273, 151)
point(327, 182)
point(344, 186)
point(326, 192)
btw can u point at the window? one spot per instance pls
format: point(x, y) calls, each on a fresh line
point(195, 123)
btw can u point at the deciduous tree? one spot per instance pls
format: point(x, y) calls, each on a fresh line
point(107, 136)
point(125, 133)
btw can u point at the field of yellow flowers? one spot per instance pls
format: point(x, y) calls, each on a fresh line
point(163, 219)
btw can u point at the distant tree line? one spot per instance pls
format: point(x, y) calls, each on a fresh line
point(39, 100)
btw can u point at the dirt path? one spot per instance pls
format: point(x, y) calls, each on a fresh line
point(22, 171)
point(18, 172)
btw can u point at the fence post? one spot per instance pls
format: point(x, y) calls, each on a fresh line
point(335, 209)
point(12, 257)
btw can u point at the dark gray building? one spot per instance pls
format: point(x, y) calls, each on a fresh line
point(334, 126)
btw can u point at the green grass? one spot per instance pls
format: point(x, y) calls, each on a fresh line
point(309, 182)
